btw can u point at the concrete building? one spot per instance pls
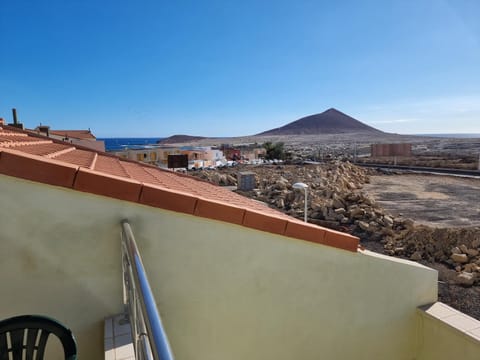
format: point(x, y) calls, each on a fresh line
point(233, 279)
point(402, 149)
point(247, 153)
point(157, 155)
point(198, 157)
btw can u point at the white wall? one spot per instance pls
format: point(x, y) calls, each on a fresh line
point(224, 291)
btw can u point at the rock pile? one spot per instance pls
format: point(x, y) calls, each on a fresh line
point(459, 248)
point(218, 177)
point(335, 200)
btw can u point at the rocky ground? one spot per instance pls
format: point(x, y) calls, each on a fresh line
point(341, 197)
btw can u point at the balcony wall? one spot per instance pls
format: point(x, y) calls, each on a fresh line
point(224, 291)
point(445, 333)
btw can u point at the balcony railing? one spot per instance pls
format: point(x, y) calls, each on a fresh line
point(149, 337)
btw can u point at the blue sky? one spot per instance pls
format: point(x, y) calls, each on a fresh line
point(228, 68)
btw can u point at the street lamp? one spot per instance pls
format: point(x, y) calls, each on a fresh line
point(303, 186)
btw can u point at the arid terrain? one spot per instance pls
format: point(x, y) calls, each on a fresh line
point(430, 219)
point(427, 151)
point(433, 200)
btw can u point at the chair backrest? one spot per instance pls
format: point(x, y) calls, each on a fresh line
point(29, 334)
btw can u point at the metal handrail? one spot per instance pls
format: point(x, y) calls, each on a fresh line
point(149, 336)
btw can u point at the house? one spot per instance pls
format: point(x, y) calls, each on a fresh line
point(246, 152)
point(77, 137)
point(153, 155)
point(158, 155)
point(233, 279)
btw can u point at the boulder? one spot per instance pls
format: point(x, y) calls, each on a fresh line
point(456, 250)
point(280, 203)
point(472, 252)
point(363, 225)
point(459, 258)
point(388, 221)
point(416, 256)
point(465, 279)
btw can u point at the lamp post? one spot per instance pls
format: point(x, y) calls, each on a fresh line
point(303, 186)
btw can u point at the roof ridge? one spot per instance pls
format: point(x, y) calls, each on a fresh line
point(94, 161)
point(125, 169)
point(12, 144)
point(9, 133)
point(152, 172)
point(60, 152)
point(120, 163)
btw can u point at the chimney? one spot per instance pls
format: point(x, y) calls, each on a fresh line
point(43, 129)
point(15, 121)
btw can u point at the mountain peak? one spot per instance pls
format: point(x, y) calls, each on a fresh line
point(331, 121)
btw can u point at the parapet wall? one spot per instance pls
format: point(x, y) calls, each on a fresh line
point(224, 291)
point(445, 333)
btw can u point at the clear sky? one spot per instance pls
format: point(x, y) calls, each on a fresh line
point(228, 68)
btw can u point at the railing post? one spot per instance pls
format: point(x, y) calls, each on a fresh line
point(149, 335)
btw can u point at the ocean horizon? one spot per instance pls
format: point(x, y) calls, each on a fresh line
point(122, 143)
point(459, 136)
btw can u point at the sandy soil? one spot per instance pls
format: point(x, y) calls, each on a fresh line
point(433, 200)
point(439, 201)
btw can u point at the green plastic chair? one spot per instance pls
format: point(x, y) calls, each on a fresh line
point(33, 327)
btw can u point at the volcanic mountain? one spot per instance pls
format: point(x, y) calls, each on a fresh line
point(180, 139)
point(331, 121)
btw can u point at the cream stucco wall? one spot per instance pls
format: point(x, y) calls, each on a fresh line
point(439, 340)
point(224, 291)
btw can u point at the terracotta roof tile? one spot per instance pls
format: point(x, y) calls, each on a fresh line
point(77, 157)
point(168, 199)
point(5, 133)
point(45, 149)
point(36, 168)
point(107, 185)
point(219, 211)
point(17, 140)
point(306, 232)
point(340, 239)
point(76, 134)
point(53, 162)
point(110, 165)
point(138, 172)
point(265, 221)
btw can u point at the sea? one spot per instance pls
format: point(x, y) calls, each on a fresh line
point(458, 136)
point(119, 144)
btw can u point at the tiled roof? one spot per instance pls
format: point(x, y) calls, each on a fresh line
point(37, 158)
point(76, 134)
